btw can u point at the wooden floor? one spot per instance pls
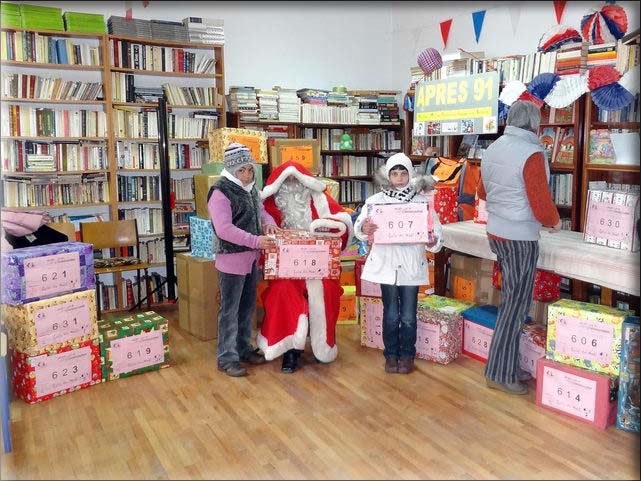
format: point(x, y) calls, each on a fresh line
point(345, 420)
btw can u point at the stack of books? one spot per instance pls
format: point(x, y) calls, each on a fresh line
point(41, 18)
point(243, 101)
point(602, 54)
point(166, 30)
point(40, 163)
point(367, 108)
point(10, 15)
point(147, 94)
point(84, 22)
point(205, 30)
point(288, 105)
point(267, 104)
point(129, 28)
point(388, 107)
point(571, 59)
point(313, 96)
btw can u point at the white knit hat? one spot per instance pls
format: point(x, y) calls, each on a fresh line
point(399, 159)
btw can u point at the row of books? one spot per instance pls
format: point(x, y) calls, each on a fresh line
point(423, 145)
point(370, 139)
point(138, 188)
point(25, 86)
point(205, 30)
point(66, 157)
point(183, 189)
point(252, 105)
point(152, 250)
point(355, 191)
point(131, 123)
point(125, 90)
point(627, 114)
point(41, 191)
point(559, 144)
point(351, 165)
point(145, 156)
point(561, 187)
point(153, 282)
point(328, 114)
point(19, 120)
point(197, 96)
point(149, 219)
point(34, 47)
point(127, 54)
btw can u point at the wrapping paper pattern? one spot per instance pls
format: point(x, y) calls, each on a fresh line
point(299, 237)
point(204, 242)
point(547, 285)
point(24, 377)
point(14, 289)
point(532, 344)
point(371, 325)
point(450, 332)
point(596, 315)
point(535, 334)
point(21, 322)
point(628, 399)
point(333, 187)
point(219, 139)
point(446, 204)
point(130, 325)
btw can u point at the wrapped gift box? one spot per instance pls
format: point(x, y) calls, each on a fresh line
point(333, 187)
point(577, 393)
point(133, 344)
point(585, 335)
point(254, 140)
point(531, 346)
point(628, 399)
point(478, 328)
point(348, 309)
point(610, 219)
point(202, 184)
point(547, 285)
point(40, 272)
point(480, 211)
point(52, 323)
point(446, 204)
point(348, 277)
point(439, 335)
point(204, 242)
point(56, 372)
point(371, 315)
point(304, 151)
point(304, 265)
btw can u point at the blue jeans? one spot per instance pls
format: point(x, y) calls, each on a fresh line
point(399, 321)
point(237, 304)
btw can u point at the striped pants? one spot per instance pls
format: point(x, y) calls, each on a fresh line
point(518, 266)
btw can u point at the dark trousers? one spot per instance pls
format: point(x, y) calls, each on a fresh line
point(399, 321)
point(518, 267)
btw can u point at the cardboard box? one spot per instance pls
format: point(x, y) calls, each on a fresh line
point(56, 372)
point(439, 335)
point(532, 343)
point(471, 278)
point(333, 187)
point(202, 184)
point(547, 285)
point(371, 315)
point(348, 308)
point(538, 312)
point(628, 398)
point(303, 264)
point(52, 323)
point(304, 151)
point(254, 140)
point(41, 272)
point(198, 296)
point(610, 219)
point(478, 328)
point(585, 335)
point(204, 242)
point(577, 393)
point(133, 344)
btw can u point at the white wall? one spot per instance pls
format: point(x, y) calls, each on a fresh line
point(291, 44)
point(416, 26)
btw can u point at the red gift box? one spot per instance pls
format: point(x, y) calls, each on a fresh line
point(57, 372)
point(306, 262)
point(446, 203)
point(547, 285)
point(578, 393)
point(532, 345)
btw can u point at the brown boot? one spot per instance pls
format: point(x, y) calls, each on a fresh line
point(405, 366)
point(391, 366)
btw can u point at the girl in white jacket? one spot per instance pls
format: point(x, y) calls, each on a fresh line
point(399, 268)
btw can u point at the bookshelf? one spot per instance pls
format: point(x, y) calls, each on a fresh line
point(192, 73)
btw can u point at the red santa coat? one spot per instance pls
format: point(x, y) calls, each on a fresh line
point(293, 306)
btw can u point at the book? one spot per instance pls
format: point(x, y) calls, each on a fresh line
point(548, 137)
point(565, 150)
point(600, 148)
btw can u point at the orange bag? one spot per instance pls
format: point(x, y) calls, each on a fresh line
point(468, 183)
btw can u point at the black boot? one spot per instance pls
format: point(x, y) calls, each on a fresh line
point(290, 361)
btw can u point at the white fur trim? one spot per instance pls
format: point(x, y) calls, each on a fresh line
point(322, 209)
point(330, 224)
point(310, 182)
point(293, 341)
point(318, 322)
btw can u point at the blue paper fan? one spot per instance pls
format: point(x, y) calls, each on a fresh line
point(612, 97)
point(503, 110)
point(542, 84)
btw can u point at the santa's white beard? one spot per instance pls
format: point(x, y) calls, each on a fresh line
point(293, 200)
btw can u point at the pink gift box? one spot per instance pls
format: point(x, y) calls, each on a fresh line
point(532, 344)
point(439, 335)
point(365, 288)
point(371, 316)
point(580, 394)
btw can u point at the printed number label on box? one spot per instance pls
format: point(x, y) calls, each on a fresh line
point(62, 322)
point(54, 274)
point(477, 339)
point(584, 339)
point(569, 393)
point(62, 371)
point(529, 354)
point(609, 221)
point(303, 261)
point(427, 339)
point(399, 223)
point(374, 325)
point(303, 154)
point(135, 352)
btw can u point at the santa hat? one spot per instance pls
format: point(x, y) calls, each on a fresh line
point(330, 213)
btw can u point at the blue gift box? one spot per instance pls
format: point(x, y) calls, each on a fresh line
point(628, 400)
point(203, 240)
point(483, 315)
point(41, 272)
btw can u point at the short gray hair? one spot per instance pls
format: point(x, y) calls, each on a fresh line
point(525, 115)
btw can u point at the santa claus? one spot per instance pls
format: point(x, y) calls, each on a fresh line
point(298, 200)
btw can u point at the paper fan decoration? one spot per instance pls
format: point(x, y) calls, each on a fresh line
point(630, 81)
point(429, 60)
point(607, 25)
point(512, 91)
point(607, 92)
point(567, 90)
point(542, 84)
point(557, 36)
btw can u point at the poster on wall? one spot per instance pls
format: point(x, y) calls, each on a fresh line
point(457, 106)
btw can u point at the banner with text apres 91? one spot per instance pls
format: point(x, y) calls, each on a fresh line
point(457, 105)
